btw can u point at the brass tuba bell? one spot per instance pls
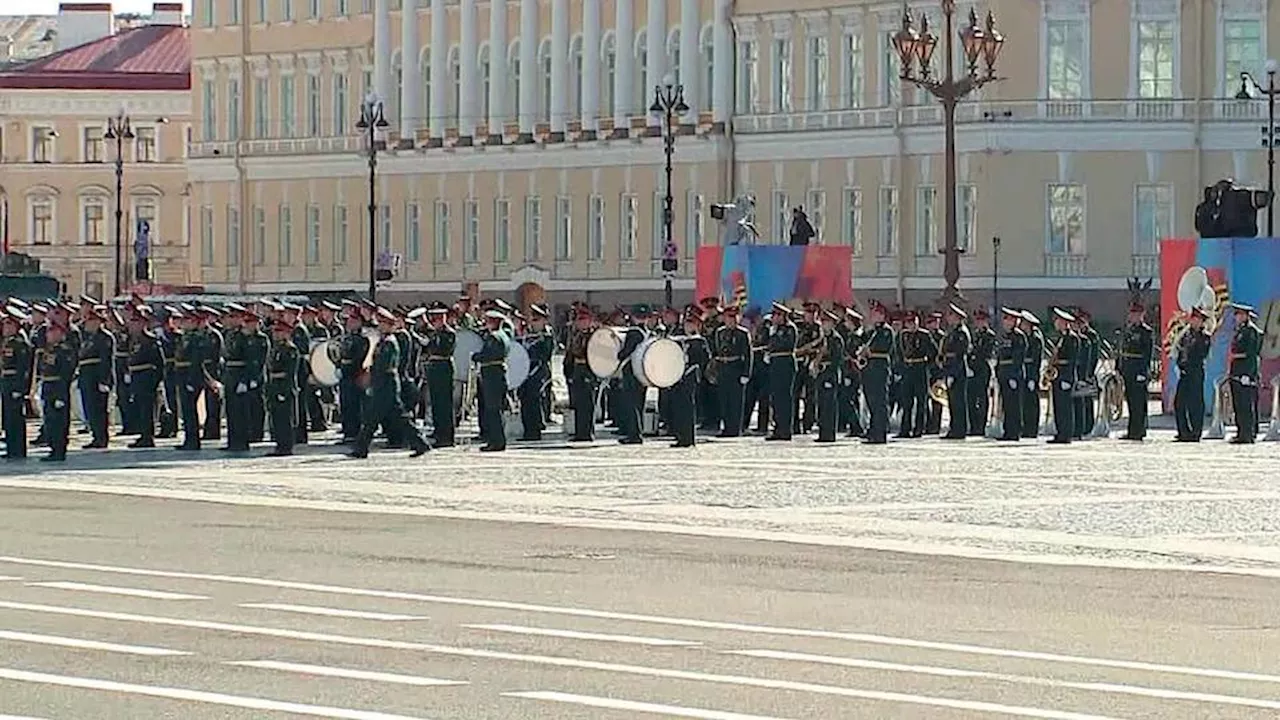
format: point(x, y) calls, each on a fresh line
point(938, 391)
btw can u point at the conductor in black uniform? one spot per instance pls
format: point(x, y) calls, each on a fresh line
point(781, 369)
point(57, 370)
point(1010, 380)
point(145, 375)
point(540, 345)
point(581, 380)
point(876, 375)
point(97, 351)
point(1188, 398)
point(351, 397)
point(282, 386)
point(1136, 353)
point(731, 349)
point(1031, 374)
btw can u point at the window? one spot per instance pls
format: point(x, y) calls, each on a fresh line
point(501, 230)
point(695, 232)
point(313, 105)
point(1156, 39)
point(564, 228)
point(486, 80)
point(966, 217)
point(851, 79)
point(575, 78)
point(42, 150)
point(313, 8)
point(233, 109)
point(888, 235)
point(286, 10)
point(1065, 217)
point(206, 235)
point(413, 231)
point(817, 211)
point(640, 101)
point(233, 237)
point(513, 87)
point(628, 222)
point(852, 230)
point(454, 100)
point(344, 7)
point(748, 76)
point(1066, 61)
point(93, 149)
point(93, 229)
point(384, 213)
point(471, 217)
point(1153, 217)
point(890, 76)
point(42, 229)
point(595, 227)
point(259, 236)
point(608, 77)
point(926, 220)
point(1241, 51)
point(339, 104)
point(339, 234)
point(781, 75)
point(235, 15)
point(313, 234)
point(144, 144)
point(262, 11)
point(544, 87)
point(781, 217)
point(209, 111)
point(442, 230)
point(707, 51)
point(206, 13)
point(94, 283)
point(288, 107)
point(816, 75)
point(260, 94)
point(532, 227)
point(286, 236)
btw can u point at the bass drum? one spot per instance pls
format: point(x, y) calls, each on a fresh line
point(468, 343)
point(602, 351)
point(659, 362)
point(323, 369)
point(518, 365)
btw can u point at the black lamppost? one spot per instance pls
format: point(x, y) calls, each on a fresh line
point(915, 50)
point(120, 130)
point(1247, 83)
point(668, 101)
point(372, 121)
point(995, 275)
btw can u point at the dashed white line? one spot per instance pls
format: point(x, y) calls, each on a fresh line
point(113, 590)
point(393, 678)
point(88, 644)
point(332, 612)
point(3, 578)
point(18, 717)
point(575, 635)
point(632, 706)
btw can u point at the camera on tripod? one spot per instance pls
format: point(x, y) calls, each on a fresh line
point(1230, 211)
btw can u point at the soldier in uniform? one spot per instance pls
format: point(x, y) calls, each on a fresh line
point(382, 385)
point(668, 325)
point(351, 398)
point(1188, 398)
point(167, 335)
point(540, 345)
point(238, 376)
point(708, 389)
point(15, 380)
point(256, 346)
point(956, 346)
point(830, 359)
point(145, 376)
point(300, 336)
point(809, 331)
point(212, 358)
point(57, 371)
point(283, 359)
point(897, 363)
point(1011, 354)
point(1086, 369)
point(980, 356)
point(492, 359)
point(188, 375)
point(97, 350)
point(731, 348)
point(781, 370)
point(684, 394)
point(851, 383)
point(440, 342)
point(581, 380)
point(408, 380)
point(759, 394)
point(876, 375)
point(1136, 353)
point(1244, 370)
point(1031, 374)
point(918, 354)
point(1066, 358)
point(314, 397)
point(936, 371)
point(38, 322)
point(631, 395)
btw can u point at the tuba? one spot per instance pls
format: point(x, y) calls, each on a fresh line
point(1222, 407)
point(938, 391)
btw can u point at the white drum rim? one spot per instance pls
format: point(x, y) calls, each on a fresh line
point(617, 345)
point(515, 379)
point(640, 365)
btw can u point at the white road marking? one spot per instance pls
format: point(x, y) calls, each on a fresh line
point(112, 590)
point(864, 638)
point(88, 644)
point(346, 673)
point(937, 671)
point(575, 635)
point(2, 579)
point(553, 661)
point(632, 706)
point(197, 696)
point(331, 612)
point(18, 717)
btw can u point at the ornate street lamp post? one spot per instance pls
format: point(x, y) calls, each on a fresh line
point(668, 101)
point(982, 44)
point(372, 121)
point(1247, 83)
point(119, 130)
point(995, 276)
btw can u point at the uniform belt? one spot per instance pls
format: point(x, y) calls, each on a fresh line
point(122, 356)
point(89, 361)
point(1007, 362)
point(878, 356)
point(278, 376)
point(1130, 355)
point(1239, 356)
point(439, 357)
point(951, 356)
point(916, 361)
point(235, 363)
point(579, 361)
point(728, 358)
point(492, 363)
point(140, 368)
point(8, 373)
point(348, 362)
point(782, 354)
point(181, 364)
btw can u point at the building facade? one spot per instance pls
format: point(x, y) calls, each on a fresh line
point(58, 183)
point(520, 154)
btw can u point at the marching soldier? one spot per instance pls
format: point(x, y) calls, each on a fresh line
point(809, 331)
point(15, 380)
point(128, 423)
point(980, 356)
point(1188, 398)
point(167, 335)
point(212, 359)
point(708, 388)
point(300, 336)
point(39, 329)
point(238, 377)
point(581, 380)
point(955, 371)
point(282, 386)
point(1136, 353)
point(933, 409)
point(145, 376)
point(1066, 360)
point(57, 371)
point(851, 383)
point(351, 398)
point(97, 349)
point(631, 396)
point(314, 396)
point(684, 394)
point(1031, 373)
point(1010, 378)
point(440, 343)
point(781, 370)
point(257, 345)
point(759, 390)
point(731, 347)
point(492, 359)
point(918, 354)
point(876, 375)
point(1086, 369)
point(897, 363)
point(382, 384)
point(188, 374)
point(416, 328)
point(408, 383)
point(540, 345)
point(1244, 370)
point(827, 378)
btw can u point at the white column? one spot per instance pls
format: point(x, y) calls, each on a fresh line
point(498, 71)
point(590, 67)
point(723, 61)
point(624, 38)
point(439, 72)
point(410, 73)
point(690, 58)
point(469, 97)
point(655, 55)
point(530, 73)
point(382, 49)
point(559, 68)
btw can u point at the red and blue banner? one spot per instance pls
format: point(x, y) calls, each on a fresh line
point(756, 276)
point(1209, 273)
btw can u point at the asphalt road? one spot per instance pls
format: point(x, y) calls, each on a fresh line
point(120, 608)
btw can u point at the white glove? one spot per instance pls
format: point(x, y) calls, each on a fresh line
point(242, 389)
point(827, 385)
point(190, 389)
point(104, 388)
point(1246, 380)
point(1031, 384)
point(279, 398)
point(950, 382)
point(59, 404)
point(1064, 385)
point(253, 385)
point(969, 373)
point(1013, 384)
point(1141, 378)
point(848, 382)
point(744, 379)
point(17, 396)
point(128, 378)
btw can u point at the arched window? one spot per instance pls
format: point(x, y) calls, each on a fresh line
point(643, 89)
point(608, 75)
point(455, 87)
point(575, 77)
point(707, 45)
point(544, 81)
point(486, 75)
point(673, 57)
point(513, 80)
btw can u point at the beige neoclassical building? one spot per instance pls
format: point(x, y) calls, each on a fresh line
point(520, 152)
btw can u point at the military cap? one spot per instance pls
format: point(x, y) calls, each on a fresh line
point(811, 306)
point(282, 325)
point(71, 305)
point(518, 315)
point(710, 300)
point(97, 311)
point(779, 307)
point(174, 313)
point(235, 307)
point(495, 315)
point(384, 314)
point(117, 317)
point(909, 315)
point(87, 300)
point(641, 310)
point(1030, 317)
point(584, 313)
point(831, 315)
point(1062, 314)
point(1200, 312)
point(330, 306)
point(1241, 307)
point(309, 310)
point(956, 310)
point(142, 312)
point(39, 308)
point(852, 314)
point(13, 315)
point(1016, 314)
point(1081, 314)
point(935, 315)
point(537, 311)
point(729, 310)
point(464, 298)
point(669, 310)
point(502, 305)
point(415, 313)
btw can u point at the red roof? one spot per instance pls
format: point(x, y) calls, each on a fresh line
point(152, 57)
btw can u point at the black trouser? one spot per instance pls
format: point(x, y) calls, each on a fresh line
point(851, 403)
point(708, 405)
point(731, 387)
point(187, 396)
point(630, 406)
point(383, 409)
point(1011, 387)
point(315, 408)
point(782, 381)
point(684, 415)
point(1031, 402)
point(827, 392)
point(212, 414)
point(530, 393)
point(978, 388)
point(440, 390)
point(933, 418)
point(238, 420)
point(802, 419)
point(351, 401)
point(1079, 408)
point(1244, 401)
point(493, 393)
point(95, 408)
point(914, 389)
point(1064, 409)
point(128, 424)
point(958, 404)
point(757, 397)
point(144, 404)
point(283, 408)
point(664, 410)
point(875, 385)
point(257, 416)
point(1135, 399)
point(582, 398)
point(1188, 404)
point(301, 421)
point(57, 417)
point(14, 412)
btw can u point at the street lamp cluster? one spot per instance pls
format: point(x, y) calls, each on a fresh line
point(1249, 87)
point(373, 121)
point(668, 102)
point(915, 48)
